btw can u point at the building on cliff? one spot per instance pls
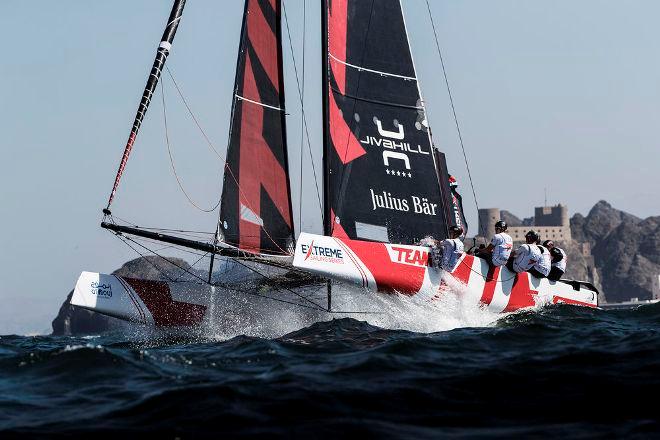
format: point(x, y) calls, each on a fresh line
point(551, 222)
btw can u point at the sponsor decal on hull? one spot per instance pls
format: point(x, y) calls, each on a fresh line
point(326, 254)
point(101, 290)
point(410, 255)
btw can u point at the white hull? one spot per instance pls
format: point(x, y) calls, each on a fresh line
point(404, 269)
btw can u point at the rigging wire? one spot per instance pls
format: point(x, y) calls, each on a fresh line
point(192, 115)
point(453, 108)
point(302, 121)
point(302, 110)
point(312, 305)
point(192, 265)
point(280, 288)
point(169, 151)
point(123, 238)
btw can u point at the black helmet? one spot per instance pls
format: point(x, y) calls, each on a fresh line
point(501, 225)
point(548, 242)
point(533, 235)
point(455, 230)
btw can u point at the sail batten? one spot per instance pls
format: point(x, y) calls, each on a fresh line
point(383, 182)
point(255, 214)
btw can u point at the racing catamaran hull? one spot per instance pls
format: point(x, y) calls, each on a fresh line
point(404, 269)
point(153, 303)
point(379, 267)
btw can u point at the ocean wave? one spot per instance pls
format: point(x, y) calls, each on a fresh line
point(552, 371)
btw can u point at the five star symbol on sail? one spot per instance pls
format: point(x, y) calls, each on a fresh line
point(398, 173)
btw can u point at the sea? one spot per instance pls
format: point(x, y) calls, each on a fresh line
point(547, 372)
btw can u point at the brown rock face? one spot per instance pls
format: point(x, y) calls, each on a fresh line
point(626, 250)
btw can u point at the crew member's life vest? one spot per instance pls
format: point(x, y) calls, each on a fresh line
point(452, 249)
point(527, 256)
point(558, 258)
point(545, 262)
point(502, 246)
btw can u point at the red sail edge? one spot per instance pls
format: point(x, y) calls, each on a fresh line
point(255, 214)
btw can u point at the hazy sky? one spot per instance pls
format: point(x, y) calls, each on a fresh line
point(563, 95)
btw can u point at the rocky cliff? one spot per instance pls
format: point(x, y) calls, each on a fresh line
point(73, 320)
point(626, 250)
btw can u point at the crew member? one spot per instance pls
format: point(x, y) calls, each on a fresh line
point(446, 254)
point(542, 267)
point(558, 260)
point(499, 250)
point(526, 256)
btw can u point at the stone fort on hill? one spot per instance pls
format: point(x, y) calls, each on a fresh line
point(551, 222)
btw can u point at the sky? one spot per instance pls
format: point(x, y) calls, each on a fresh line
point(558, 96)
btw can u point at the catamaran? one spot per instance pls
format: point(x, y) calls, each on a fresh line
point(386, 185)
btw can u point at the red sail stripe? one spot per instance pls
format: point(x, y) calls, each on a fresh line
point(263, 41)
point(346, 145)
point(337, 30)
point(258, 168)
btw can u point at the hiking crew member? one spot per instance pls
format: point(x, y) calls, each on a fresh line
point(558, 261)
point(526, 256)
point(446, 254)
point(542, 267)
point(498, 251)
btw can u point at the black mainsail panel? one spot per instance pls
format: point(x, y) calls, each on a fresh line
point(255, 214)
point(381, 171)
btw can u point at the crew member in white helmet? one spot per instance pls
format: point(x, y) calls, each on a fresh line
point(446, 254)
point(526, 256)
point(558, 261)
point(497, 253)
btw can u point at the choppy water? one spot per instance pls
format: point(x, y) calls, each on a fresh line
point(560, 370)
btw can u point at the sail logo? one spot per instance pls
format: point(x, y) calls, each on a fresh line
point(418, 205)
point(101, 290)
point(408, 255)
point(393, 145)
point(457, 213)
point(395, 150)
point(322, 254)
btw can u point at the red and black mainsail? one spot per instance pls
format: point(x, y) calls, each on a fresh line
point(255, 214)
point(382, 175)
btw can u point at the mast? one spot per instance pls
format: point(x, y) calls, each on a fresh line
point(327, 220)
point(152, 81)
